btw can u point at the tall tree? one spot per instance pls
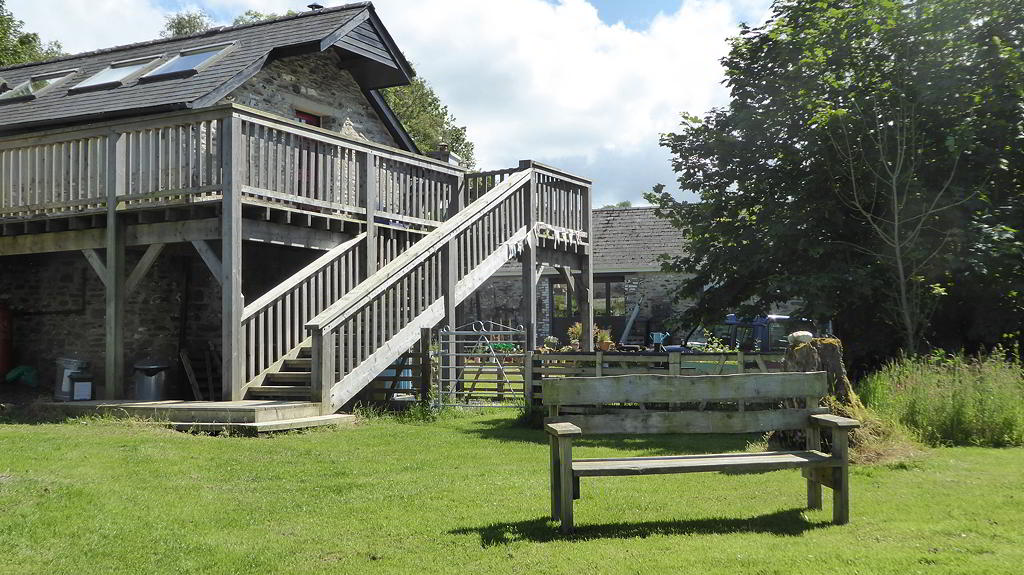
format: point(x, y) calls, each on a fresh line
point(428, 120)
point(18, 46)
point(792, 173)
point(186, 23)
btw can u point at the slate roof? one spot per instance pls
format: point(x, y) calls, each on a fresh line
point(626, 240)
point(632, 239)
point(252, 43)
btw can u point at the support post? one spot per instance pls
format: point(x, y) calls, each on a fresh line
point(231, 261)
point(369, 201)
point(426, 370)
point(841, 477)
point(565, 483)
point(585, 278)
point(813, 435)
point(115, 276)
point(528, 378)
point(528, 313)
point(449, 279)
point(322, 369)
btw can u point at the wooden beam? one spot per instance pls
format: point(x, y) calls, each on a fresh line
point(369, 200)
point(142, 267)
point(115, 292)
point(341, 32)
point(231, 262)
point(210, 258)
point(585, 279)
point(96, 261)
point(528, 306)
point(95, 238)
point(293, 236)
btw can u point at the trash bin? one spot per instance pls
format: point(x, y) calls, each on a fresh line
point(65, 368)
point(150, 380)
point(81, 386)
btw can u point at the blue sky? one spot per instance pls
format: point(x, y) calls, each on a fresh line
point(586, 85)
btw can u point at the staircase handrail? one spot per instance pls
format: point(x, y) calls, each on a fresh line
point(429, 245)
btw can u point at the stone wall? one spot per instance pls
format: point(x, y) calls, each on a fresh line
point(58, 306)
point(315, 84)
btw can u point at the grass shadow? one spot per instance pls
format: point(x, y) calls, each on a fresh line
point(507, 429)
point(785, 523)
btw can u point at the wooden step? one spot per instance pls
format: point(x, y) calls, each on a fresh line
point(279, 391)
point(306, 351)
point(337, 419)
point(289, 377)
point(298, 364)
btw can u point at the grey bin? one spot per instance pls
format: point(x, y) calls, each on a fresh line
point(66, 367)
point(150, 381)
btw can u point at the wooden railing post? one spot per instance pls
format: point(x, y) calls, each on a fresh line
point(528, 311)
point(369, 200)
point(449, 279)
point(115, 268)
point(322, 369)
point(231, 259)
point(426, 370)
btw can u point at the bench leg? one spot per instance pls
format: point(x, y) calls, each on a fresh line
point(575, 487)
point(565, 483)
point(813, 436)
point(841, 478)
point(556, 477)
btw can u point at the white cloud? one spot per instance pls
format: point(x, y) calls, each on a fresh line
point(530, 78)
point(84, 25)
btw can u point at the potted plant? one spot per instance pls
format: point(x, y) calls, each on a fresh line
point(604, 339)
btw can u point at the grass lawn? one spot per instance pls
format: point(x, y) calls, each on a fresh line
point(468, 494)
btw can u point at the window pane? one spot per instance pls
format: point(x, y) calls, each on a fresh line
point(32, 86)
point(185, 62)
point(561, 300)
point(114, 74)
point(601, 298)
point(616, 298)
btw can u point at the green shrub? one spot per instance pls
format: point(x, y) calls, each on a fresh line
point(952, 400)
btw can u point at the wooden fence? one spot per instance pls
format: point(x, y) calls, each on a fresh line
point(541, 366)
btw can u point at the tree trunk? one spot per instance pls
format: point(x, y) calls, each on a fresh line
point(823, 354)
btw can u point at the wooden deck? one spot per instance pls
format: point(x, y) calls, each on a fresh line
point(246, 416)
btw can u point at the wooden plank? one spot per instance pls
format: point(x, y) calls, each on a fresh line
point(190, 374)
point(142, 267)
point(642, 422)
point(115, 290)
point(731, 462)
point(230, 277)
point(210, 258)
point(97, 264)
point(646, 388)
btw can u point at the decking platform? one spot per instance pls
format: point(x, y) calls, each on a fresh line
point(246, 416)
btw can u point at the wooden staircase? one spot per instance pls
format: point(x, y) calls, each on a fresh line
point(290, 378)
point(341, 333)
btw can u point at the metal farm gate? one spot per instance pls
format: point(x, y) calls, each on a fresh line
point(481, 365)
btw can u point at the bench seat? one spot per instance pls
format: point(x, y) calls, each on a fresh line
point(629, 405)
point(731, 462)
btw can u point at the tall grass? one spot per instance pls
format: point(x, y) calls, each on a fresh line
point(952, 400)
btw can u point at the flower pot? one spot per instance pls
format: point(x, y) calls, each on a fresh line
point(604, 345)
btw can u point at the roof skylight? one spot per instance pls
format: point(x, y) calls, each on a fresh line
point(35, 85)
point(187, 62)
point(116, 74)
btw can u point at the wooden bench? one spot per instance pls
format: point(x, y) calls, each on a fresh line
point(648, 403)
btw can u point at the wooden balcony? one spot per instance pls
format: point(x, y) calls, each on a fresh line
point(180, 162)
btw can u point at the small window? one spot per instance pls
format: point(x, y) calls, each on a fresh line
point(307, 118)
point(36, 85)
point(187, 62)
point(116, 74)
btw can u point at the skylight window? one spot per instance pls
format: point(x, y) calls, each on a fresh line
point(187, 62)
point(116, 74)
point(35, 85)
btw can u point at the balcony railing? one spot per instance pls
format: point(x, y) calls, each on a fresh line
point(179, 159)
